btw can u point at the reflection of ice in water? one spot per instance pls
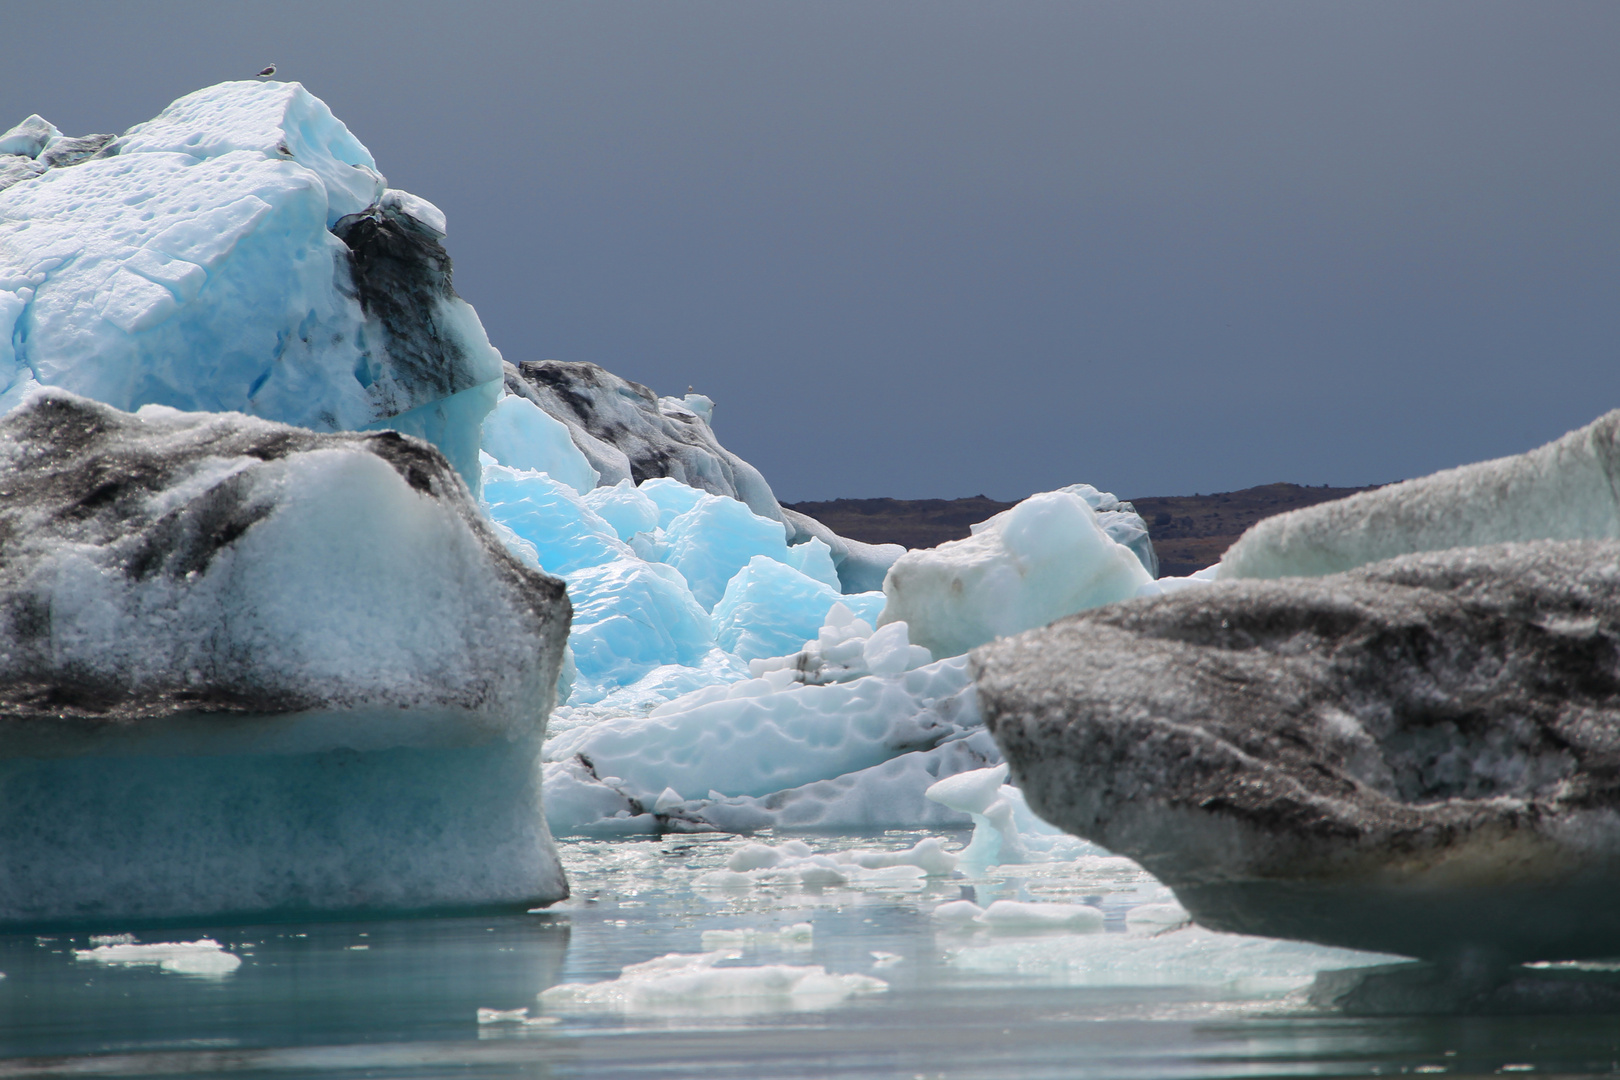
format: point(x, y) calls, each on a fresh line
point(202, 957)
point(1230, 965)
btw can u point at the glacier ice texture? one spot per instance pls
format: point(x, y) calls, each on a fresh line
point(1047, 557)
point(252, 670)
point(1417, 757)
point(1568, 489)
point(627, 432)
point(239, 252)
point(751, 738)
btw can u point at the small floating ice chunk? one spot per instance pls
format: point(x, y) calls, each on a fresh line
point(885, 959)
point(1020, 915)
point(1004, 829)
point(502, 1016)
point(202, 957)
point(958, 913)
point(754, 857)
point(694, 982)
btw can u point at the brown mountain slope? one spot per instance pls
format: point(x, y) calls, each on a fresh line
point(1189, 531)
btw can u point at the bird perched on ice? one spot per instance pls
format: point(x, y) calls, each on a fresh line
point(267, 72)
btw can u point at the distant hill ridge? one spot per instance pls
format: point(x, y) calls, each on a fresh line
point(1189, 531)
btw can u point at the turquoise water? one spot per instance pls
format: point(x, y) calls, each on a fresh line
point(402, 997)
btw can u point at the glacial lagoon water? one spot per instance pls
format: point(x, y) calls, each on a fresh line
point(402, 998)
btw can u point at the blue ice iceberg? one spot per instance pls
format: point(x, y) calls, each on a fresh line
point(240, 252)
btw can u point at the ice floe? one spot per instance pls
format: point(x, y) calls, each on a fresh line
point(696, 981)
point(202, 957)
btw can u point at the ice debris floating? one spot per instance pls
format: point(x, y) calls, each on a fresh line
point(205, 956)
point(685, 982)
point(794, 863)
point(220, 628)
point(239, 252)
point(1021, 916)
point(1566, 490)
point(1005, 831)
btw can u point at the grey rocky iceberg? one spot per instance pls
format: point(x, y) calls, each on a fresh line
point(252, 670)
point(626, 431)
point(1566, 490)
point(1421, 756)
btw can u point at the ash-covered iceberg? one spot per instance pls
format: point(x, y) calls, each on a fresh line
point(239, 252)
point(1566, 490)
point(252, 670)
point(1421, 756)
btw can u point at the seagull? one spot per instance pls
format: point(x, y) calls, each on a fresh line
point(267, 72)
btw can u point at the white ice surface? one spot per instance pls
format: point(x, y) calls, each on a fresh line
point(1045, 558)
point(202, 957)
point(886, 796)
point(1005, 830)
point(1568, 489)
point(696, 982)
point(753, 739)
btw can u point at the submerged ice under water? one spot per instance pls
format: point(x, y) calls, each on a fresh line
point(771, 975)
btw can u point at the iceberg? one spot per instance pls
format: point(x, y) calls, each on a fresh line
point(1566, 490)
point(626, 432)
point(1413, 757)
point(251, 670)
point(239, 252)
point(1047, 557)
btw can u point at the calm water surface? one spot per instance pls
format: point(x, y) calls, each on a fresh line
point(402, 997)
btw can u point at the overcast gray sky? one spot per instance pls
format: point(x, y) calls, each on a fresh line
point(930, 249)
